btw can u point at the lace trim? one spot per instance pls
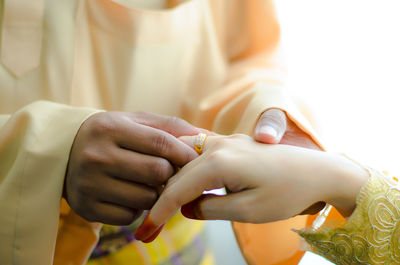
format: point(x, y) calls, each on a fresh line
point(372, 234)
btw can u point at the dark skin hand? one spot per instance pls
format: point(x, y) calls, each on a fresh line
point(119, 162)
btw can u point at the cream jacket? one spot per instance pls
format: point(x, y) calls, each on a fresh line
point(215, 63)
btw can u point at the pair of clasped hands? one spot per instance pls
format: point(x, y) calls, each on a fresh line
point(124, 163)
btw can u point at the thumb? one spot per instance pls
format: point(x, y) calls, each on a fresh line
point(270, 127)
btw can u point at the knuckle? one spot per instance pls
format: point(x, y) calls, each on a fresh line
point(173, 121)
point(161, 170)
point(217, 159)
point(103, 124)
point(140, 116)
point(222, 143)
point(176, 122)
point(91, 157)
point(161, 144)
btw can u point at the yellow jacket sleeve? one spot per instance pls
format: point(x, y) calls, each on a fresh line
point(3, 119)
point(371, 234)
point(34, 149)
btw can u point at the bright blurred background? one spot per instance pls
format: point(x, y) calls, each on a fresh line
point(344, 64)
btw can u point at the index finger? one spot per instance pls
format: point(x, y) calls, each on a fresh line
point(152, 141)
point(187, 185)
point(172, 125)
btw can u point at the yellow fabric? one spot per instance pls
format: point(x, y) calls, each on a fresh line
point(29, 195)
point(3, 119)
point(371, 234)
point(178, 233)
point(208, 259)
point(24, 36)
point(129, 253)
point(215, 63)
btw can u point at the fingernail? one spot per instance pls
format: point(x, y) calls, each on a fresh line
point(154, 235)
point(268, 130)
point(148, 230)
point(192, 210)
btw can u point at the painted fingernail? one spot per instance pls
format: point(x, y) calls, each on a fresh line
point(147, 230)
point(154, 235)
point(192, 209)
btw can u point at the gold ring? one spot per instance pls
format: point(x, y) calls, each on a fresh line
point(199, 142)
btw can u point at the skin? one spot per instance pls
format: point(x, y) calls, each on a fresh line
point(120, 161)
point(284, 131)
point(267, 183)
point(274, 127)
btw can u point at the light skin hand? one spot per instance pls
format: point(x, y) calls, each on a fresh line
point(267, 183)
point(119, 161)
point(274, 127)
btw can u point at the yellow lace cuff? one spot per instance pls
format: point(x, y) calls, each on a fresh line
point(371, 235)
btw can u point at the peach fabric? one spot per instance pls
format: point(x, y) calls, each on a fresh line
point(256, 239)
point(215, 63)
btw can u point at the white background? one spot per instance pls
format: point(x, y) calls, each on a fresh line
point(344, 62)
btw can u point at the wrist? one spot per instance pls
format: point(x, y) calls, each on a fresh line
point(344, 183)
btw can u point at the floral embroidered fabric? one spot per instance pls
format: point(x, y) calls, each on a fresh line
point(371, 235)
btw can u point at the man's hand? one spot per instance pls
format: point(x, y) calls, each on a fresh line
point(119, 161)
point(273, 127)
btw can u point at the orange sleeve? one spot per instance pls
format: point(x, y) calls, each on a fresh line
point(71, 226)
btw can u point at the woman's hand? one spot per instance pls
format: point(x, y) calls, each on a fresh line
point(274, 127)
point(266, 183)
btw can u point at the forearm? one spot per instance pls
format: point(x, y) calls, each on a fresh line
point(342, 183)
